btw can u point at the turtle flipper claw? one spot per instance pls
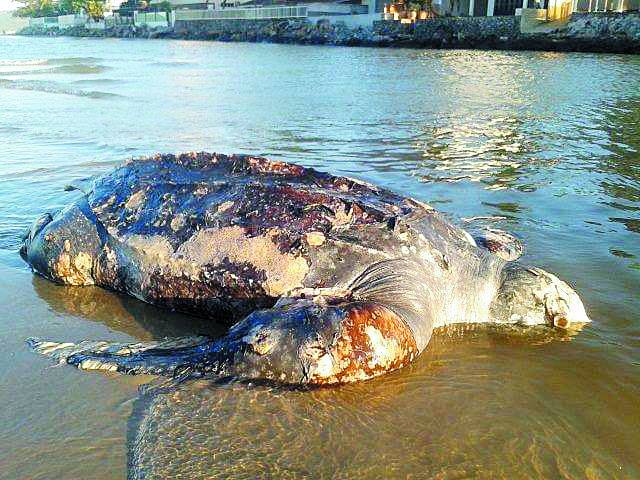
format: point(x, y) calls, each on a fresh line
point(158, 358)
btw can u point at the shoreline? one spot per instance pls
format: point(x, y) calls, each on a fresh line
point(593, 33)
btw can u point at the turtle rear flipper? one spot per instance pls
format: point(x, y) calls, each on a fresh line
point(167, 357)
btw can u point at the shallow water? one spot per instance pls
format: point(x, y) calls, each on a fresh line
point(547, 143)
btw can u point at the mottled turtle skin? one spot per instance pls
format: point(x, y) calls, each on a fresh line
point(329, 279)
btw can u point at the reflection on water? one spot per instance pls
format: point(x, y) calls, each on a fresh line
point(544, 145)
point(468, 419)
point(489, 149)
point(122, 313)
point(622, 184)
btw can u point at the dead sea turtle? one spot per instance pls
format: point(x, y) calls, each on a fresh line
point(329, 279)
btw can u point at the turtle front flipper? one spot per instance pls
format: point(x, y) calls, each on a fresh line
point(311, 342)
point(305, 342)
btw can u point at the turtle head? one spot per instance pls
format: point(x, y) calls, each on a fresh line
point(533, 296)
point(31, 233)
point(63, 247)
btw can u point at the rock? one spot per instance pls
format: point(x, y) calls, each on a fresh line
point(597, 32)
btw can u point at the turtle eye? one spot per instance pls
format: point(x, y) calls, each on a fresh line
point(560, 321)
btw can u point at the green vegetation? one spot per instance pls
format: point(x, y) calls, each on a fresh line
point(164, 6)
point(419, 6)
point(95, 9)
point(51, 8)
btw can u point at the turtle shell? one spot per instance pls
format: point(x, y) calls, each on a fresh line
point(207, 232)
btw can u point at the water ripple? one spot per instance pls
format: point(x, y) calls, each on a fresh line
point(542, 144)
point(56, 88)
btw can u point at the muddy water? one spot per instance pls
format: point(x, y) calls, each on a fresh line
point(547, 144)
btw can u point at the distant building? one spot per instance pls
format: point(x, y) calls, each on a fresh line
point(111, 5)
point(193, 4)
point(342, 9)
point(553, 9)
point(321, 7)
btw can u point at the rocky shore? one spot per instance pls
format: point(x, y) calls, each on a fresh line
point(594, 32)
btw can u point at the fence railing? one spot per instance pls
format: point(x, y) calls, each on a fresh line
point(177, 4)
point(116, 19)
point(606, 5)
point(62, 21)
point(150, 18)
point(260, 13)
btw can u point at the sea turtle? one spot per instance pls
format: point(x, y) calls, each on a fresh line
point(330, 279)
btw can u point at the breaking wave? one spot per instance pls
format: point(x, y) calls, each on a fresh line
point(52, 61)
point(20, 63)
point(53, 87)
point(72, 60)
point(97, 81)
point(174, 63)
point(74, 69)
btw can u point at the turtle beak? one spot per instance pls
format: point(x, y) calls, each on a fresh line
point(563, 306)
point(36, 227)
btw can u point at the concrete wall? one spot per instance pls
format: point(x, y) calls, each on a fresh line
point(326, 8)
point(351, 21)
point(247, 14)
point(11, 24)
point(218, 26)
point(71, 20)
point(62, 21)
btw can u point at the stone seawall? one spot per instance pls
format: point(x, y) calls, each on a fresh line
point(597, 25)
point(600, 32)
point(453, 32)
point(585, 32)
point(478, 32)
point(300, 31)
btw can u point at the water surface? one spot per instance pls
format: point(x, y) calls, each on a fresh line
point(547, 145)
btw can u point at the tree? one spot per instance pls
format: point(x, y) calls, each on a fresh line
point(36, 8)
point(95, 9)
point(50, 8)
point(67, 7)
point(164, 6)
